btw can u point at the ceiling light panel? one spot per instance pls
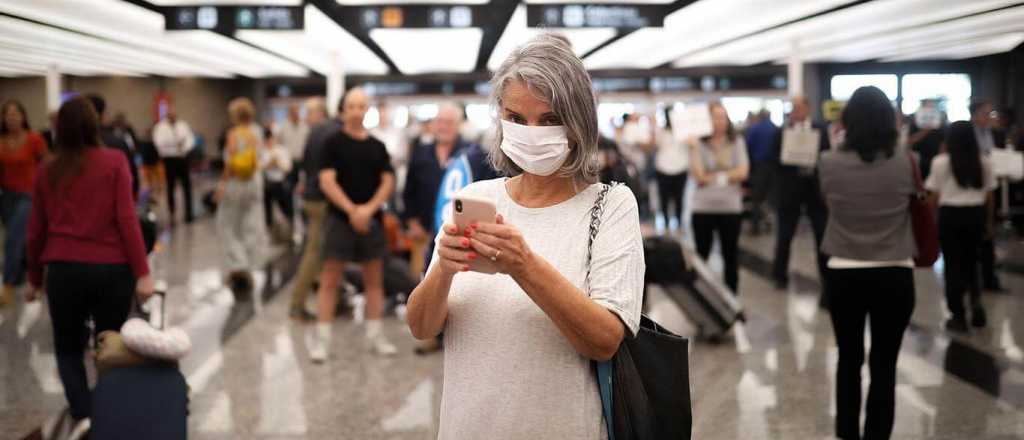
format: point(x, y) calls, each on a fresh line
point(410, 2)
point(417, 51)
point(140, 28)
point(319, 45)
point(701, 25)
point(828, 31)
point(880, 45)
point(994, 45)
point(517, 32)
point(226, 2)
point(15, 31)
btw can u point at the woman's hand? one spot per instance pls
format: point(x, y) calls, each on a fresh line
point(503, 242)
point(455, 251)
point(144, 288)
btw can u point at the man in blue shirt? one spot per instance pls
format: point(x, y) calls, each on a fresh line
point(760, 140)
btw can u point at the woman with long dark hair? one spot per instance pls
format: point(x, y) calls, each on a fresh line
point(21, 152)
point(719, 166)
point(867, 184)
point(963, 179)
point(84, 231)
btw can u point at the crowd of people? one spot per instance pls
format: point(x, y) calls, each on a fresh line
point(368, 196)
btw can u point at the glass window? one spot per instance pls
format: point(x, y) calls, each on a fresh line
point(843, 86)
point(951, 90)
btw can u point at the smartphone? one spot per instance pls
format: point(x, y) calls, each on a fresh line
point(468, 210)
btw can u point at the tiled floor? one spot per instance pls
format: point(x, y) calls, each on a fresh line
point(771, 379)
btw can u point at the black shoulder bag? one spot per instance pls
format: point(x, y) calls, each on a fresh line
point(645, 387)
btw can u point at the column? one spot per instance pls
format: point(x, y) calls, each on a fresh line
point(795, 71)
point(335, 83)
point(53, 89)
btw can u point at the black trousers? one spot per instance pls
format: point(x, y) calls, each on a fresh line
point(886, 297)
point(177, 169)
point(960, 233)
point(670, 192)
point(798, 195)
point(76, 292)
point(728, 228)
point(278, 193)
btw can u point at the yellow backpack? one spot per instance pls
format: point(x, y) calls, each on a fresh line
point(242, 164)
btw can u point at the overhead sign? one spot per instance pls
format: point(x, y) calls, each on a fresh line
point(227, 19)
point(411, 16)
point(620, 16)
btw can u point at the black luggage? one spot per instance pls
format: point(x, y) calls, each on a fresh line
point(145, 402)
point(396, 277)
point(698, 291)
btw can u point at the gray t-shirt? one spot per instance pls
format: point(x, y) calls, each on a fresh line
point(868, 205)
point(717, 198)
point(508, 371)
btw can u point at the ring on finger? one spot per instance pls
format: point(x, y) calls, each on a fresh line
point(496, 255)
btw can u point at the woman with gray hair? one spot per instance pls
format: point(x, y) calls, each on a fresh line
point(519, 343)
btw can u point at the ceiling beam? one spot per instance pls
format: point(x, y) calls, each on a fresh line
point(499, 14)
point(332, 9)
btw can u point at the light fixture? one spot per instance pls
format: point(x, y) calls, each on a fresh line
point(143, 30)
point(322, 43)
point(701, 25)
point(417, 51)
point(994, 45)
point(834, 30)
point(583, 40)
point(227, 2)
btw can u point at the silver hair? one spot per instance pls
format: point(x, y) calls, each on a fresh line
point(451, 105)
point(554, 74)
point(315, 104)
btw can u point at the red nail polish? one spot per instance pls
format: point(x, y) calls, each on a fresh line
point(472, 256)
point(474, 224)
point(465, 268)
point(465, 242)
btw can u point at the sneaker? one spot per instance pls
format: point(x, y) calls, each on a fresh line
point(317, 351)
point(382, 346)
point(978, 318)
point(956, 324)
point(300, 314)
point(7, 296)
point(81, 430)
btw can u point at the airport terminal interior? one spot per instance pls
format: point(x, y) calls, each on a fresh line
point(814, 253)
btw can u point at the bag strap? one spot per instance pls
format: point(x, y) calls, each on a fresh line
point(603, 369)
point(916, 171)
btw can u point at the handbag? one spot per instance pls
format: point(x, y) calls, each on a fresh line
point(922, 217)
point(645, 387)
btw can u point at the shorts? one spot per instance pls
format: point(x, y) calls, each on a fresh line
point(343, 243)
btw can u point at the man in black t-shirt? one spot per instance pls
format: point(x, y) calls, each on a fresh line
point(357, 179)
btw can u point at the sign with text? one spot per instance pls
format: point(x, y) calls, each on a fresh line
point(800, 147)
point(694, 120)
point(227, 19)
point(575, 15)
point(411, 16)
point(1008, 164)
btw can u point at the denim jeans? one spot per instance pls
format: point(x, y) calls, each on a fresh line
point(15, 208)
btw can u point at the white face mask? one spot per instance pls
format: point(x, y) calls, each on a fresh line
point(537, 150)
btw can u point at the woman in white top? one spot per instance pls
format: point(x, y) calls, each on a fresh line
point(276, 162)
point(671, 161)
point(963, 179)
point(519, 343)
point(719, 166)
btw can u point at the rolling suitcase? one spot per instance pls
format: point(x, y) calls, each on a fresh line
point(144, 402)
point(147, 401)
point(694, 287)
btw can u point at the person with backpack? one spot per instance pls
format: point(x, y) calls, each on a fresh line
point(239, 197)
